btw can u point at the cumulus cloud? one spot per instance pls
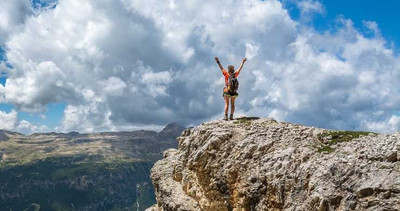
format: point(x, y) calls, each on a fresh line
point(372, 26)
point(10, 121)
point(13, 14)
point(391, 124)
point(113, 86)
point(310, 6)
point(27, 127)
point(40, 84)
point(130, 63)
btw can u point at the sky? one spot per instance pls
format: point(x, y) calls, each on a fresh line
point(118, 65)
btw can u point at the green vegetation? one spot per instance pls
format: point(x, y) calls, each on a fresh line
point(242, 121)
point(33, 207)
point(342, 136)
point(335, 137)
point(54, 182)
point(326, 148)
point(94, 171)
point(89, 168)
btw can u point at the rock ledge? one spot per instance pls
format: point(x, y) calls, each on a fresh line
point(262, 164)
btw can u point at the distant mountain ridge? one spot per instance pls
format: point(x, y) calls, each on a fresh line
point(171, 128)
point(82, 171)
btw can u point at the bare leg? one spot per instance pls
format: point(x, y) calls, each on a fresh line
point(233, 105)
point(226, 105)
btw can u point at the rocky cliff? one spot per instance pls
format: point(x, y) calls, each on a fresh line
point(74, 171)
point(261, 164)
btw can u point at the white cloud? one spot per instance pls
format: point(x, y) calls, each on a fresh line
point(251, 50)
point(131, 63)
point(13, 14)
point(311, 6)
point(39, 85)
point(156, 83)
point(83, 117)
point(29, 128)
point(373, 26)
point(10, 121)
point(2, 93)
point(391, 124)
point(113, 86)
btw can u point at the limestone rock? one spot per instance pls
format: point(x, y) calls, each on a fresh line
point(262, 164)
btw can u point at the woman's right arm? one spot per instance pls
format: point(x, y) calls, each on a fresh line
point(219, 64)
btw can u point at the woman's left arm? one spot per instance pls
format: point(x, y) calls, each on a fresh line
point(241, 65)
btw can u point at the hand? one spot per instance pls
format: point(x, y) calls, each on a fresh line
point(216, 59)
point(244, 60)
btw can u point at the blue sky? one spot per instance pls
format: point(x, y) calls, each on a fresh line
point(37, 4)
point(384, 13)
point(165, 86)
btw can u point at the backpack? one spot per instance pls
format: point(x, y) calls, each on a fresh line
point(233, 83)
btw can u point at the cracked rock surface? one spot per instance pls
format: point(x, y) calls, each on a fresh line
point(262, 164)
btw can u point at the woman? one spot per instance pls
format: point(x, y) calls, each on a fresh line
point(228, 93)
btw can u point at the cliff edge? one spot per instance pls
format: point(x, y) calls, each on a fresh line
point(261, 164)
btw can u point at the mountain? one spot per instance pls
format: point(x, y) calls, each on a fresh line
point(261, 164)
point(74, 171)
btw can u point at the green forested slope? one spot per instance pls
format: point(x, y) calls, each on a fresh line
point(102, 171)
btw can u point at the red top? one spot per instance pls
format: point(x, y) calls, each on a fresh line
point(226, 74)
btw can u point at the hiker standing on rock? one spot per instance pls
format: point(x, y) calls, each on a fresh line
point(231, 86)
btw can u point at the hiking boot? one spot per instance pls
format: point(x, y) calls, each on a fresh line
point(226, 117)
point(231, 117)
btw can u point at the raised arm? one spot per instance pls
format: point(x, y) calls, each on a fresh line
point(241, 65)
point(219, 64)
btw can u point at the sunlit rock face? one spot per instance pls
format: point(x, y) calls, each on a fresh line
point(262, 164)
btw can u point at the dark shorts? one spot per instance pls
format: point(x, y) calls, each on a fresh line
point(230, 94)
